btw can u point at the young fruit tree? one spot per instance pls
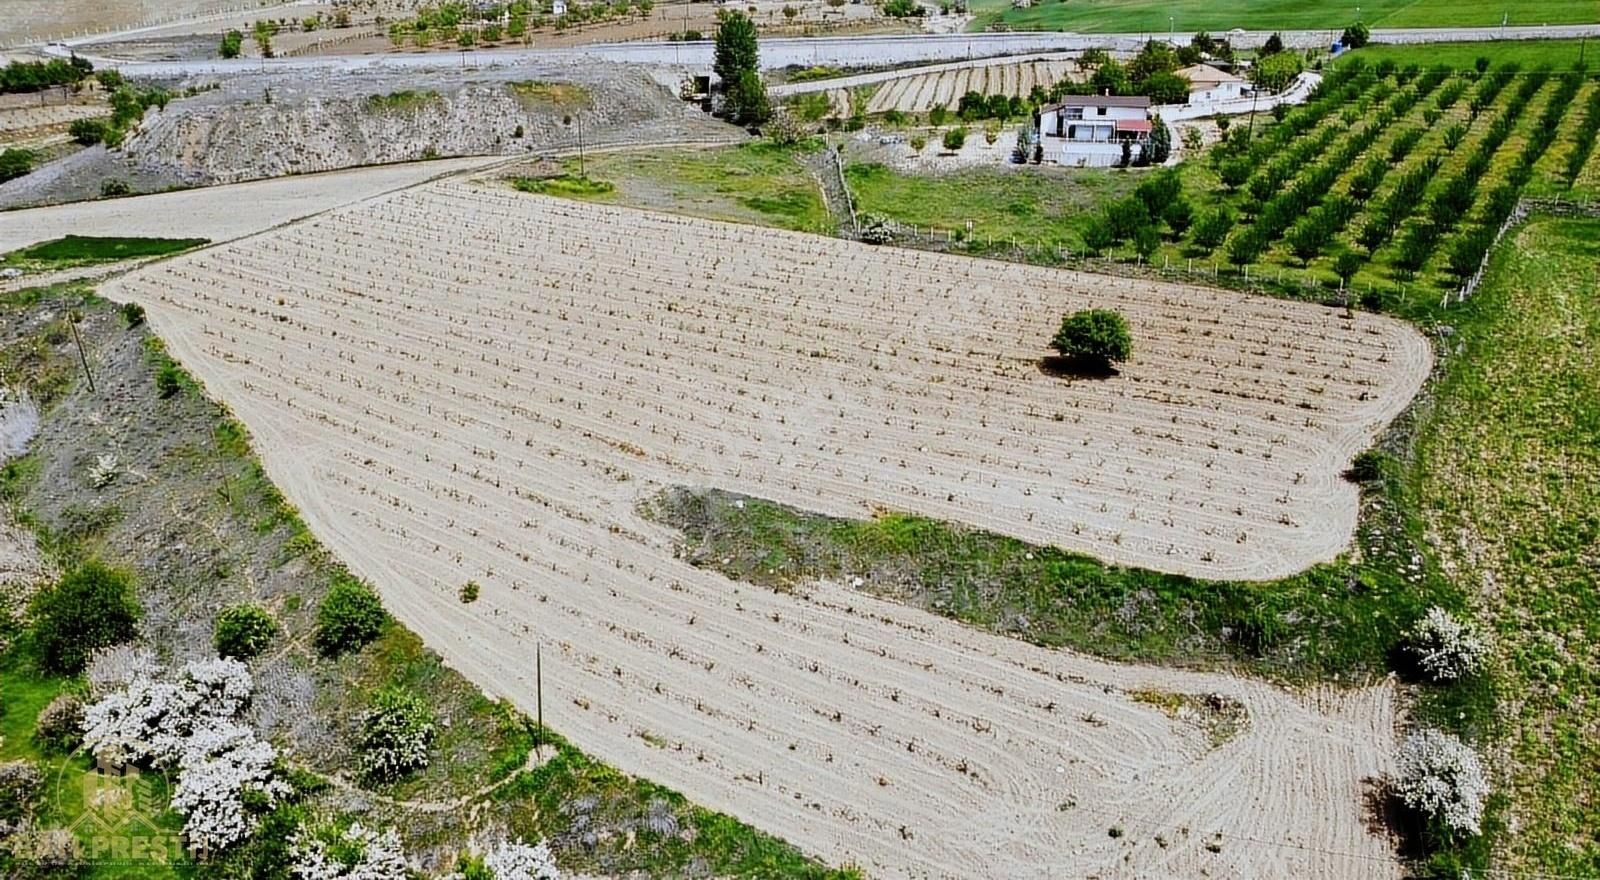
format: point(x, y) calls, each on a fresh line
point(1441, 777)
point(1096, 335)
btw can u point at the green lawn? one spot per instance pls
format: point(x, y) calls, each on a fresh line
point(78, 249)
point(758, 183)
point(1157, 16)
point(1035, 204)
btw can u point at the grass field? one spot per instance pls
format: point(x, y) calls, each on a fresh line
point(1559, 55)
point(78, 250)
point(1507, 472)
point(1151, 16)
point(1052, 206)
point(752, 183)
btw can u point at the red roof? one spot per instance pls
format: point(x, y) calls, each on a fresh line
point(1133, 125)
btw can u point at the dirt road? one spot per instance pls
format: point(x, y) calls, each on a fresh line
point(455, 383)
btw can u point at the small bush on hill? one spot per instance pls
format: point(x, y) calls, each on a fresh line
point(59, 727)
point(351, 615)
point(1446, 649)
point(244, 631)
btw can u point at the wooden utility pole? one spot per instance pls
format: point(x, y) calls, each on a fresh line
point(538, 690)
point(73, 318)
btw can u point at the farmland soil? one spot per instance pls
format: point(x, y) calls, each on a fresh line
point(442, 414)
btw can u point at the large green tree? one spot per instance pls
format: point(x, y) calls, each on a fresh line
point(736, 50)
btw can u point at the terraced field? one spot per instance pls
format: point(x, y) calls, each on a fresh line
point(924, 91)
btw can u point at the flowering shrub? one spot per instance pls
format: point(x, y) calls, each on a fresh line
point(189, 723)
point(219, 765)
point(1445, 648)
point(1441, 777)
point(356, 854)
point(59, 727)
point(395, 735)
point(151, 720)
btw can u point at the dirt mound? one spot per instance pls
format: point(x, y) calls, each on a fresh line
point(270, 125)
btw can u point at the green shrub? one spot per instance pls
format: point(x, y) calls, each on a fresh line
point(955, 138)
point(132, 314)
point(111, 189)
point(1099, 335)
point(88, 132)
point(169, 379)
point(469, 592)
point(244, 631)
point(16, 162)
point(91, 607)
point(1368, 466)
point(351, 615)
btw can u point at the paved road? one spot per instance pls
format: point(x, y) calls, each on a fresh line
point(783, 52)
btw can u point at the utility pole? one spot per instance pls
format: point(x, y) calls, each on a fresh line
point(73, 317)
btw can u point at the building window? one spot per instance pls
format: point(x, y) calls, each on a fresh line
point(1099, 111)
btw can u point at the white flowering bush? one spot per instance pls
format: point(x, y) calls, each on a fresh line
point(514, 860)
point(360, 854)
point(188, 722)
point(395, 736)
point(1446, 648)
point(220, 764)
point(1441, 777)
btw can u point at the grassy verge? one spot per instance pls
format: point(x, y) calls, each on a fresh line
point(1156, 17)
point(571, 186)
point(1037, 204)
point(758, 183)
point(395, 102)
point(194, 516)
point(77, 250)
point(538, 93)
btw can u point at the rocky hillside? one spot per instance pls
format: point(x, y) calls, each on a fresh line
point(270, 126)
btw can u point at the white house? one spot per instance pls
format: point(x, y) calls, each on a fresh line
point(558, 7)
point(1088, 131)
point(1208, 85)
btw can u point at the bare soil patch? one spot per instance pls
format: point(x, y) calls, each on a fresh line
point(461, 383)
